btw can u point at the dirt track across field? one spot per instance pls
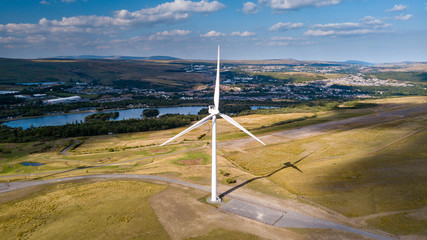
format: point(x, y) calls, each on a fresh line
point(323, 128)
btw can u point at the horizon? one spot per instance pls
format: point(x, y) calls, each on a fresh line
point(384, 31)
point(114, 57)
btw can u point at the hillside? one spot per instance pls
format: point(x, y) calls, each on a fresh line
point(131, 73)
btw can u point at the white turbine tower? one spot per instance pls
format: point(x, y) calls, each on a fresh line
point(214, 111)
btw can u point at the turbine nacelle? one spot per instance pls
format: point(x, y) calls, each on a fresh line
point(213, 110)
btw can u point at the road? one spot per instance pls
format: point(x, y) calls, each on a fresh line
point(238, 205)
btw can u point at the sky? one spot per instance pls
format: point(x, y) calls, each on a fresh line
point(375, 31)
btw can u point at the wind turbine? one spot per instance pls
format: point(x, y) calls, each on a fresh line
point(214, 111)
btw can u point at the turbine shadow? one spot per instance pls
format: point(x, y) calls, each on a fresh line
point(285, 165)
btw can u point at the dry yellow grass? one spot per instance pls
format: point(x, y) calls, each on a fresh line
point(351, 171)
point(100, 210)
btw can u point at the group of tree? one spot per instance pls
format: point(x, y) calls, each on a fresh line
point(92, 128)
point(150, 112)
point(102, 116)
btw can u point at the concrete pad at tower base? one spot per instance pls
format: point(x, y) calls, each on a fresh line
point(252, 211)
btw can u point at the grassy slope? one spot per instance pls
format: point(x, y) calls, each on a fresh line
point(400, 224)
point(153, 73)
point(226, 235)
point(357, 171)
point(349, 171)
point(73, 210)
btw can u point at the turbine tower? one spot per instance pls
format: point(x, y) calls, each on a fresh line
point(214, 112)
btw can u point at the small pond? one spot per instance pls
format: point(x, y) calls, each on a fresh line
point(32, 164)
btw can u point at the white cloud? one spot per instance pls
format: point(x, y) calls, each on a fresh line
point(68, 1)
point(233, 34)
point(318, 32)
point(285, 41)
point(35, 39)
point(403, 17)
point(21, 28)
point(367, 25)
point(174, 33)
point(283, 38)
point(346, 25)
point(243, 34)
point(213, 34)
point(281, 26)
point(396, 8)
point(44, 2)
point(166, 34)
point(297, 4)
point(250, 8)
point(182, 6)
point(8, 39)
point(372, 20)
point(168, 12)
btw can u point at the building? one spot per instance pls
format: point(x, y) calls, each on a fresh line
point(63, 100)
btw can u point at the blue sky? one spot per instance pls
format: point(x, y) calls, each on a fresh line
point(367, 30)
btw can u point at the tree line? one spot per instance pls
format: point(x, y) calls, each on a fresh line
point(93, 128)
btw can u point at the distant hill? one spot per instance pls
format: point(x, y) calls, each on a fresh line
point(359, 62)
point(116, 57)
point(111, 72)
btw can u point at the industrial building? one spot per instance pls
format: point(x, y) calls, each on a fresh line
point(63, 100)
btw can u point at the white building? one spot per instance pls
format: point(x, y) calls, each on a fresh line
point(63, 100)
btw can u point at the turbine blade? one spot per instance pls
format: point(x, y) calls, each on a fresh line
point(216, 95)
point(197, 124)
point(230, 120)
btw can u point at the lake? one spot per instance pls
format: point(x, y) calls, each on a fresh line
point(63, 119)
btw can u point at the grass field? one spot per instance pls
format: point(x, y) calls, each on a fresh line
point(358, 171)
point(99, 210)
point(226, 235)
point(400, 224)
point(363, 170)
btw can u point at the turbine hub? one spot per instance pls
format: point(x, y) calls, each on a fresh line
point(213, 110)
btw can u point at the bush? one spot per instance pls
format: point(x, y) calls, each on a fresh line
point(230, 180)
point(201, 136)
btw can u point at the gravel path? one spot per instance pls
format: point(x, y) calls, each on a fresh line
point(65, 151)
